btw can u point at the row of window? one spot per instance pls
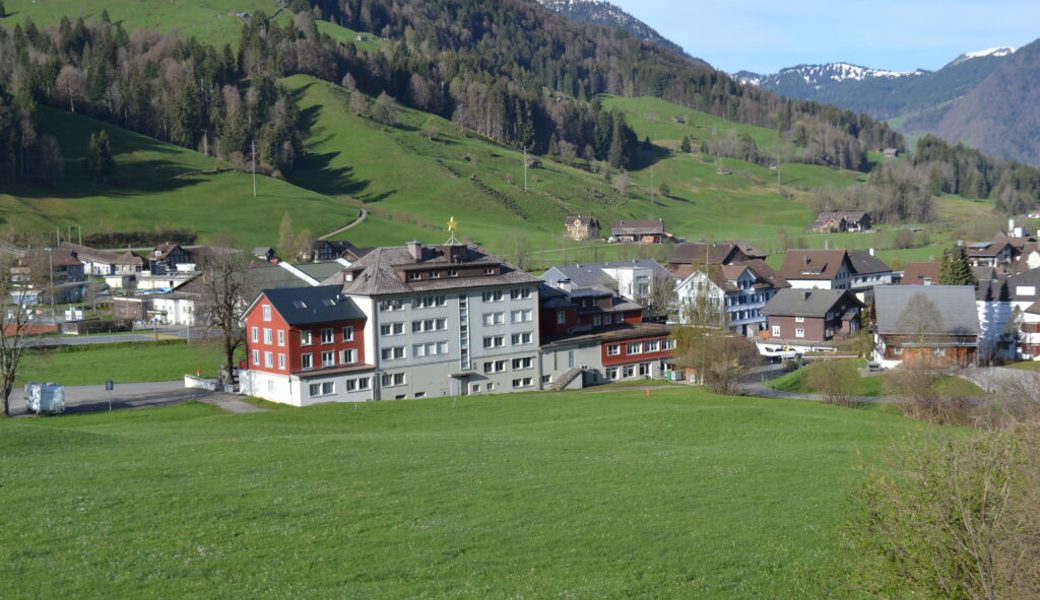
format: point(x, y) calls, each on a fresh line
point(329, 358)
point(499, 366)
point(634, 348)
point(799, 332)
point(417, 303)
point(516, 316)
point(624, 372)
point(517, 339)
point(328, 388)
point(597, 320)
point(328, 336)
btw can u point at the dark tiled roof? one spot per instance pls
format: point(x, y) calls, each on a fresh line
point(614, 334)
point(653, 226)
point(1025, 282)
point(702, 253)
point(805, 302)
point(312, 305)
point(863, 262)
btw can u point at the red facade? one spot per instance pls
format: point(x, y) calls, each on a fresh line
point(274, 346)
point(627, 351)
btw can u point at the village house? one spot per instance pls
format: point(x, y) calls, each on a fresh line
point(642, 232)
point(841, 221)
point(808, 320)
point(820, 269)
point(329, 250)
point(306, 346)
point(168, 258)
point(937, 323)
point(868, 271)
point(631, 279)
point(998, 254)
point(581, 228)
point(102, 263)
point(742, 289)
point(697, 254)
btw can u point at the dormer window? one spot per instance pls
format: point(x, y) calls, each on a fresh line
point(490, 271)
point(453, 272)
point(435, 274)
point(413, 276)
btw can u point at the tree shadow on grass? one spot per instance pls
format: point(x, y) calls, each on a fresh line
point(316, 171)
point(648, 157)
point(153, 176)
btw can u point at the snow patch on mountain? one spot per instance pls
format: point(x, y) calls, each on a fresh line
point(995, 52)
point(819, 75)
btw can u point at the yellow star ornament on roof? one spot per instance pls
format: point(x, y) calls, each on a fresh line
point(453, 225)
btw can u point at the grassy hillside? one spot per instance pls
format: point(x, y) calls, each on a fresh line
point(603, 495)
point(159, 184)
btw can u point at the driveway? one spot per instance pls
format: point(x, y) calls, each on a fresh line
point(89, 398)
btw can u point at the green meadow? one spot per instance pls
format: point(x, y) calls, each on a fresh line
point(123, 362)
point(601, 494)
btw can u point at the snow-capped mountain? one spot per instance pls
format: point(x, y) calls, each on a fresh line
point(817, 76)
point(599, 12)
point(995, 52)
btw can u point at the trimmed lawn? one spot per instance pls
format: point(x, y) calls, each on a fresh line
point(594, 495)
point(797, 382)
point(125, 362)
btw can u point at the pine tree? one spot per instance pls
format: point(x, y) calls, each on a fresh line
point(3, 11)
point(99, 161)
point(955, 269)
point(686, 145)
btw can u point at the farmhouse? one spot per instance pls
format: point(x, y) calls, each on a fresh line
point(711, 253)
point(937, 322)
point(742, 288)
point(841, 221)
point(167, 258)
point(643, 232)
point(102, 263)
point(581, 228)
point(821, 269)
point(806, 320)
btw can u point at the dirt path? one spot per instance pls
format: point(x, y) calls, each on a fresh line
point(359, 220)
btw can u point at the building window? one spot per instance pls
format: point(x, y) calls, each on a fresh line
point(495, 341)
point(523, 382)
point(776, 331)
point(799, 319)
point(256, 358)
point(349, 356)
point(322, 389)
point(414, 276)
point(490, 270)
point(267, 336)
point(281, 337)
point(391, 328)
point(521, 339)
point(395, 353)
point(254, 334)
point(348, 334)
point(475, 388)
point(561, 317)
point(364, 383)
point(390, 305)
point(267, 312)
point(618, 317)
point(306, 361)
point(305, 337)
point(634, 348)
point(629, 371)
point(453, 272)
point(497, 318)
point(612, 373)
point(799, 332)
point(644, 369)
point(520, 294)
point(350, 385)
point(328, 336)
point(490, 387)
point(614, 350)
point(494, 296)
point(520, 364)
point(429, 301)
point(268, 360)
point(393, 379)
point(281, 362)
point(652, 346)
point(497, 366)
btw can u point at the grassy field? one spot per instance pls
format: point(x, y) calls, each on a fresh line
point(798, 382)
point(159, 184)
point(580, 495)
point(125, 362)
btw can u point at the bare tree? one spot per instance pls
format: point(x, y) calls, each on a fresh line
point(836, 380)
point(704, 344)
point(662, 296)
point(226, 293)
point(21, 281)
point(72, 84)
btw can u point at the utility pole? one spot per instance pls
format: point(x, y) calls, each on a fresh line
point(50, 264)
point(778, 162)
point(252, 145)
point(652, 186)
point(525, 168)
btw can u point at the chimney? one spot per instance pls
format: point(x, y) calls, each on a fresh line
point(871, 251)
point(806, 294)
point(1011, 226)
point(414, 250)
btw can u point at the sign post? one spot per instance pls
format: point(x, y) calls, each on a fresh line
point(109, 386)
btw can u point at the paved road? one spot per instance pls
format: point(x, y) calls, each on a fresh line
point(359, 220)
point(89, 398)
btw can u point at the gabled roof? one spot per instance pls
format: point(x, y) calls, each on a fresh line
point(580, 276)
point(1026, 281)
point(705, 253)
point(163, 251)
point(986, 249)
point(917, 273)
point(820, 265)
point(806, 303)
point(582, 220)
point(834, 215)
point(899, 309)
point(993, 290)
point(320, 271)
point(863, 262)
point(313, 305)
point(88, 254)
point(631, 227)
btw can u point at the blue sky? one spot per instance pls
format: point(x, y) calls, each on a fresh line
point(762, 36)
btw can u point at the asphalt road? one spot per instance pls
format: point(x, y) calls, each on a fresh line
point(89, 398)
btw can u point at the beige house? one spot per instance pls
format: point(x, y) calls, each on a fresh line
point(581, 228)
